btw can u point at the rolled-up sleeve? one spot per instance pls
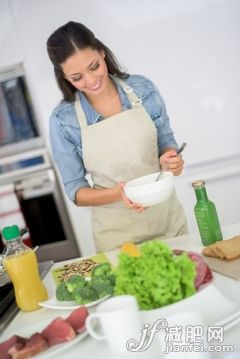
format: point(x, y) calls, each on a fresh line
point(68, 158)
point(161, 120)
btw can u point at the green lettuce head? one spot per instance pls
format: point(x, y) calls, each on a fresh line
point(157, 277)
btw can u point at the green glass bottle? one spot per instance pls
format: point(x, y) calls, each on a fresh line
point(206, 215)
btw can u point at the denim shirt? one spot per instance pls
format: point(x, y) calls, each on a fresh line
point(65, 133)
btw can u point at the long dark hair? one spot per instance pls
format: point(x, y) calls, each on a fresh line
point(65, 41)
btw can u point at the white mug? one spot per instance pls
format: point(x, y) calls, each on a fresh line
point(120, 320)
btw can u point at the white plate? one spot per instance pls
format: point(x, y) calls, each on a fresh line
point(53, 303)
point(38, 327)
point(206, 302)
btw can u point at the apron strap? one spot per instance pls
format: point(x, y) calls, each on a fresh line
point(135, 101)
point(80, 113)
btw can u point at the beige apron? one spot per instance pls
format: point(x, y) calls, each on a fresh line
point(121, 148)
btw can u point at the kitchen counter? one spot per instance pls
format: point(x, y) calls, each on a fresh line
point(89, 347)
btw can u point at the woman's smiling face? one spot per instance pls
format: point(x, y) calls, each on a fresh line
point(87, 71)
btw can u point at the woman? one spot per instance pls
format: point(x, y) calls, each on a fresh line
point(113, 126)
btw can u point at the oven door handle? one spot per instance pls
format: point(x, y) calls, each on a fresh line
point(29, 193)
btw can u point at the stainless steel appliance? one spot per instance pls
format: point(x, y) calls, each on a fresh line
point(19, 130)
point(25, 165)
point(42, 204)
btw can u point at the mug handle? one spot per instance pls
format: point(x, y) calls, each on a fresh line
point(90, 327)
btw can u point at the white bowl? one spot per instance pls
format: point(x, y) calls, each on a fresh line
point(147, 191)
point(204, 301)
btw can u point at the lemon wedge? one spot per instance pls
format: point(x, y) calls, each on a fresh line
point(130, 248)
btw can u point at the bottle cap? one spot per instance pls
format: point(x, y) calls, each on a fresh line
point(198, 183)
point(11, 232)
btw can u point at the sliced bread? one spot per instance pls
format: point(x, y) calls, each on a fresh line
point(228, 249)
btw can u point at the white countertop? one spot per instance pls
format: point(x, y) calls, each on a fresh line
point(230, 288)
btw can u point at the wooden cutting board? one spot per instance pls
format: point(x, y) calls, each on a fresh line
point(229, 269)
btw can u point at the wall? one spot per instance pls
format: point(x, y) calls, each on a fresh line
point(11, 51)
point(190, 48)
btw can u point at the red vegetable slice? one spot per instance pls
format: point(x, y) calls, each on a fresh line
point(34, 345)
point(77, 319)
point(58, 331)
point(14, 343)
point(204, 273)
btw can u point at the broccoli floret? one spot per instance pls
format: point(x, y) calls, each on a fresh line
point(101, 270)
point(74, 282)
point(102, 285)
point(112, 278)
point(83, 291)
point(85, 294)
point(62, 293)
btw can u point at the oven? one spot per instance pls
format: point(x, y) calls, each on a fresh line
point(41, 204)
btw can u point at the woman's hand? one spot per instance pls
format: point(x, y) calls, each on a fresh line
point(170, 161)
point(135, 206)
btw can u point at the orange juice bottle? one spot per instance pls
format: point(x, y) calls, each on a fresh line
point(21, 265)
